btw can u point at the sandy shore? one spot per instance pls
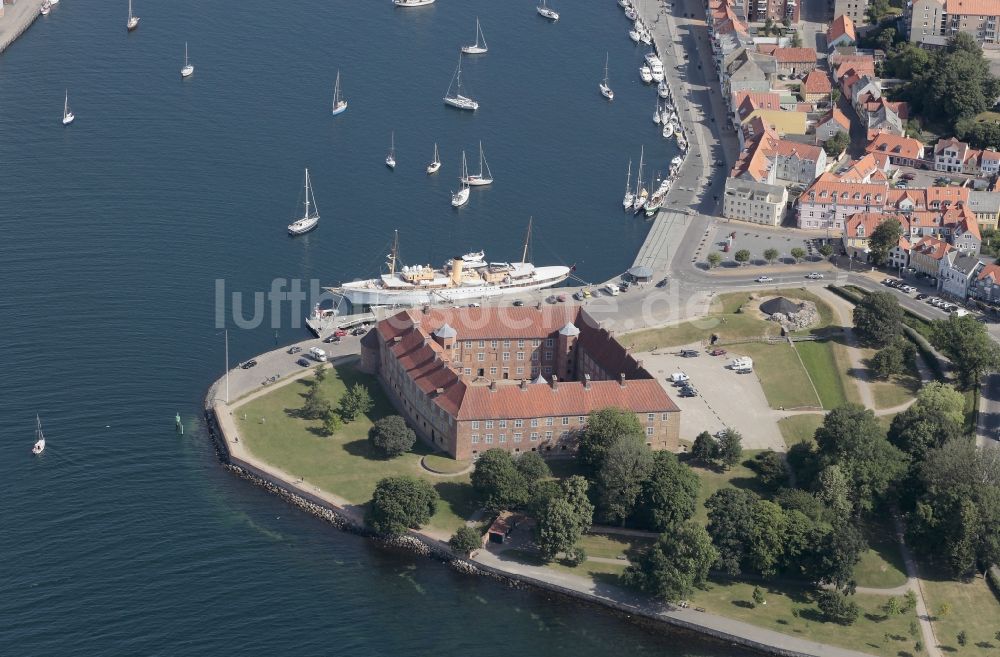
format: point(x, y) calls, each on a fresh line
point(16, 19)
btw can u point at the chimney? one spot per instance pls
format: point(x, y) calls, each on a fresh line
point(439, 391)
point(638, 363)
point(493, 385)
point(555, 382)
point(621, 379)
point(524, 384)
point(397, 338)
point(586, 382)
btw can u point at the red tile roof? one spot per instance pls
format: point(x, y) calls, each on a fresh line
point(870, 221)
point(896, 146)
point(816, 83)
point(841, 25)
point(973, 7)
point(795, 55)
point(932, 247)
point(837, 117)
point(990, 271)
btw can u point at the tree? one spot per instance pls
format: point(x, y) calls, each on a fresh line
point(714, 258)
point(316, 405)
point(935, 418)
point(758, 596)
point(604, 428)
point(767, 537)
point(669, 494)
point(539, 495)
point(882, 240)
point(962, 637)
point(574, 491)
point(825, 250)
point(390, 436)
point(319, 374)
point(742, 256)
point(332, 423)
point(771, 255)
point(675, 565)
point(772, 472)
point(877, 319)
point(838, 608)
point(837, 144)
point(796, 499)
point(730, 447)
point(399, 503)
point(835, 97)
point(704, 447)
point(892, 607)
point(625, 467)
point(465, 541)
point(356, 401)
point(967, 343)
point(796, 40)
point(909, 602)
point(886, 39)
point(498, 484)
point(837, 552)
point(877, 10)
point(730, 524)
point(557, 529)
point(532, 467)
point(798, 253)
point(835, 491)
point(888, 361)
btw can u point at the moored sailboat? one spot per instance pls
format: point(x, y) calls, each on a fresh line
point(477, 48)
point(629, 196)
point(551, 14)
point(39, 446)
point(188, 68)
point(604, 87)
point(484, 177)
point(68, 116)
point(339, 104)
point(310, 218)
point(435, 164)
point(458, 100)
point(461, 197)
point(133, 20)
point(390, 157)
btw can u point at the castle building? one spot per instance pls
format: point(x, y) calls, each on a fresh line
point(520, 379)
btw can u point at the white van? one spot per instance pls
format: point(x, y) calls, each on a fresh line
point(679, 377)
point(612, 289)
point(742, 364)
point(318, 354)
point(960, 312)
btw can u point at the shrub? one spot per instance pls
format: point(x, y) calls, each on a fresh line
point(465, 541)
point(838, 608)
point(390, 436)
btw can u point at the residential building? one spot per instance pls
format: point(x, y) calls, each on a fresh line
point(755, 202)
point(954, 156)
point(829, 201)
point(928, 22)
point(794, 61)
point(927, 255)
point(985, 285)
point(896, 150)
point(777, 10)
point(519, 379)
point(956, 273)
point(745, 103)
point(841, 33)
point(933, 22)
point(832, 122)
point(853, 9)
point(769, 159)
point(859, 229)
point(816, 87)
point(986, 207)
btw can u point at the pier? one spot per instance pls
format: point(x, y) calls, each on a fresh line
point(16, 19)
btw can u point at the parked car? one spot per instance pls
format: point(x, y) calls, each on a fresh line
point(578, 296)
point(340, 333)
point(662, 283)
point(294, 350)
point(679, 378)
point(764, 279)
point(689, 392)
point(550, 299)
point(331, 338)
point(248, 364)
point(688, 353)
point(359, 331)
point(304, 362)
point(717, 352)
point(561, 298)
point(921, 296)
point(814, 275)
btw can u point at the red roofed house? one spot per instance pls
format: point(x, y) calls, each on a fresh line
point(897, 150)
point(792, 61)
point(985, 285)
point(859, 229)
point(841, 33)
point(816, 86)
point(829, 201)
point(927, 254)
point(519, 379)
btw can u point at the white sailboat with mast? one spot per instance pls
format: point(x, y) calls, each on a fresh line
point(133, 20)
point(68, 116)
point(477, 48)
point(188, 68)
point(484, 177)
point(604, 87)
point(435, 163)
point(458, 100)
point(461, 197)
point(390, 157)
point(310, 217)
point(339, 104)
point(629, 196)
point(641, 193)
point(544, 11)
point(39, 446)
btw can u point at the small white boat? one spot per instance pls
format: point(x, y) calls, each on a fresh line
point(133, 20)
point(39, 446)
point(45, 8)
point(310, 218)
point(544, 11)
point(646, 74)
point(435, 163)
point(657, 74)
point(458, 100)
point(631, 13)
point(603, 86)
point(634, 35)
point(677, 161)
point(339, 104)
point(668, 130)
point(646, 37)
point(657, 115)
point(624, 4)
point(629, 196)
point(663, 90)
point(53, 2)
point(412, 3)
point(461, 197)
point(484, 177)
point(476, 48)
point(68, 116)
point(188, 68)
point(390, 157)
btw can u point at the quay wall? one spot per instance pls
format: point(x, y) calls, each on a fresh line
point(16, 19)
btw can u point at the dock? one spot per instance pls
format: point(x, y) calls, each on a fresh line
point(16, 19)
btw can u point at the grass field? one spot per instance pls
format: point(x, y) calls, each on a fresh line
point(973, 608)
point(612, 546)
point(341, 464)
point(821, 363)
point(881, 565)
point(785, 381)
point(799, 428)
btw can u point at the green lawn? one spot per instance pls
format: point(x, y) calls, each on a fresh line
point(341, 464)
point(881, 565)
point(974, 609)
point(785, 381)
point(445, 464)
point(612, 546)
point(799, 428)
point(790, 610)
point(824, 370)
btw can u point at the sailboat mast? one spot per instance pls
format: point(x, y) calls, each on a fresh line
point(394, 253)
point(638, 179)
point(628, 177)
point(527, 238)
point(307, 194)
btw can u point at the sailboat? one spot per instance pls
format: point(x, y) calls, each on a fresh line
point(458, 100)
point(640, 192)
point(310, 218)
point(68, 116)
point(412, 3)
point(39, 437)
point(133, 21)
point(390, 157)
point(543, 10)
point(657, 116)
point(668, 130)
point(484, 177)
point(339, 104)
point(461, 197)
point(435, 163)
point(45, 8)
point(476, 49)
point(629, 196)
point(663, 90)
point(605, 89)
point(188, 66)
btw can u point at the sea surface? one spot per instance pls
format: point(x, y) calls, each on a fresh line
point(125, 538)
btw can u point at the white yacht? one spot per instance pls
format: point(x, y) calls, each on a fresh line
point(624, 4)
point(629, 196)
point(484, 177)
point(646, 37)
point(310, 218)
point(668, 130)
point(412, 3)
point(133, 20)
point(457, 99)
point(45, 8)
point(39, 446)
point(68, 116)
point(634, 35)
point(476, 48)
point(631, 13)
point(544, 10)
point(461, 197)
point(663, 90)
point(646, 74)
point(339, 104)
point(188, 68)
point(435, 164)
point(390, 157)
point(603, 86)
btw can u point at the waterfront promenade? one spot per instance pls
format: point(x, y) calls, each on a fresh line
point(16, 19)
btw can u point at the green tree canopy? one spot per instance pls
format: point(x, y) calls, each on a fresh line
point(730, 524)
point(676, 564)
point(837, 144)
point(356, 401)
point(878, 319)
point(885, 236)
point(838, 608)
point(935, 418)
point(668, 495)
point(465, 540)
point(742, 256)
point(532, 467)
point(390, 436)
point(704, 448)
point(767, 537)
point(967, 343)
point(624, 469)
point(498, 484)
point(604, 428)
point(399, 503)
point(730, 447)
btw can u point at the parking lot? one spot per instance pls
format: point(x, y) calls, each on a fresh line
point(725, 398)
point(759, 240)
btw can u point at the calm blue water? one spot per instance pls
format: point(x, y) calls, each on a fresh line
point(124, 539)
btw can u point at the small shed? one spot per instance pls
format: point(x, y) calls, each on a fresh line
point(501, 528)
point(780, 305)
point(640, 273)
